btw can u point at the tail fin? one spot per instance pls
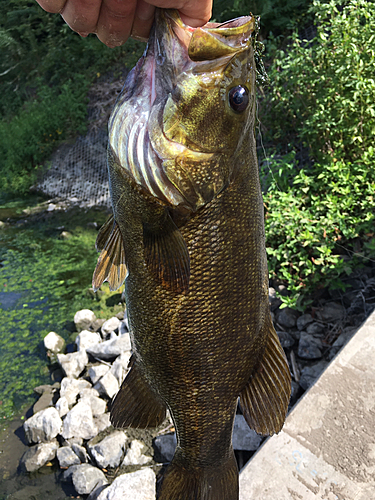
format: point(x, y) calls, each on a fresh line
point(181, 482)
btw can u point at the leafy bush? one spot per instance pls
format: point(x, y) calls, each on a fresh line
point(321, 100)
point(29, 138)
point(323, 91)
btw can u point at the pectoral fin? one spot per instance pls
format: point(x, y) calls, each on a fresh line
point(167, 256)
point(136, 405)
point(264, 401)
point(111, 263)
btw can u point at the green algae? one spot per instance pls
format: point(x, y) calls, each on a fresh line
point(46, 265)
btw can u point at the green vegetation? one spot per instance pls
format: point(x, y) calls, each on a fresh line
point(320, 111)
point(48, 278)
point(45, 73)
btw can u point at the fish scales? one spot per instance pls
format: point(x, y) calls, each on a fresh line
point(196, 283)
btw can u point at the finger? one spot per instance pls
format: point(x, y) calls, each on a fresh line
point(193, 12)
point(143, 19)
point(82, 15)
point(53, 6)
point(115, 21)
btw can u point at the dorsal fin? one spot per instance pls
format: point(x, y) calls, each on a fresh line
point(264, 401)
point(111, 263)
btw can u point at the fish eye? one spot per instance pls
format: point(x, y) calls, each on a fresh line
point(238, 98)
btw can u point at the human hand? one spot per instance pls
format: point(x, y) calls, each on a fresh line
point(114, 21)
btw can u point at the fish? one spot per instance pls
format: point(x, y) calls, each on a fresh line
point(187, 238)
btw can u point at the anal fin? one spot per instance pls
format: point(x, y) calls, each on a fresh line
point(136, 405)
point(111, 263)
point(264, 401)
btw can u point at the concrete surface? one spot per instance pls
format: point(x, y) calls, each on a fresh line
point(326, 449)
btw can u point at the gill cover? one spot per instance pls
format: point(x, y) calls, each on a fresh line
point(173, 129)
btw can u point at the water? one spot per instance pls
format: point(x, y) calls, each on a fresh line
point(46, 265)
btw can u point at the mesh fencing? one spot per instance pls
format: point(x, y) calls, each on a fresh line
point(78, 172)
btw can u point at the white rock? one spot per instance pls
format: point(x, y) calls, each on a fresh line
point(110, 349)
point(86, 477)
point(134, 455)
point(107, 385)
point(166, 445)
point(110, 325)
point(73, 363)
point(243, 437)
point(120, 366)
point(43, 426)
point(97, 405)
point(53, 342)
point(71, 387)
point(86, 339)
point(79, 422)
point(66, 457)
point(139, 485)
point(97, 372)
point(83, 319)
point(102, 422)
point(88, 393)
point(38, 455)
point(62, 406)
point(109, 452)
point(80, 451)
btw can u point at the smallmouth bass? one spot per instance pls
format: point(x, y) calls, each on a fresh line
point(187, 236)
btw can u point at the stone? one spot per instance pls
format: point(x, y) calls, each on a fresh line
point(109, 451)
point(303, 321)
point(81, 452)
point(83, 319)
point(68, 474)
point(73, 363)
point(43, 426)
point(86, 339)
point(341, 340)
point(273, 300)
point(71, 387)
point(102, 422)
point(309, 347)
point(124, 326)
point(96, 372)
point(243, 437)
point(287, 318)
point(286, 340)
point(38, 455)
point(88, 393)
point(134, 455)
point(110, 349)
point(53, 342)
point(66, 457)
point(315, 328)
point(108, 385)
point(165, 445)
point(86, 477)
point(45, 400)
point(331, 312)
point(120, 366)
point(138, 485)
point(62, 406)
point(110, 325)
point(79, 422)
point(98, 406)
point(311, 373)
point(101, 485)
point(97, 324)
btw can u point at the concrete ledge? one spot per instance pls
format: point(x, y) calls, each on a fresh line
point(326, 449)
